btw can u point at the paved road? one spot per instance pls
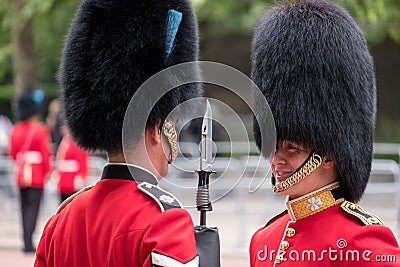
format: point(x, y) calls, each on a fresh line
point(15, 258)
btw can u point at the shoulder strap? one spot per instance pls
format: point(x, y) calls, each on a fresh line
point(363, 215)
point(26, 145)
point(163, 198)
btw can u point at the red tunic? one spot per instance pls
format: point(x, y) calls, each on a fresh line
point(119, 222)
point(30, 148)
point(71, 166)
point(318, 230)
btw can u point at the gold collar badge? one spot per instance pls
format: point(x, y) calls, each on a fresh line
point(313, 203)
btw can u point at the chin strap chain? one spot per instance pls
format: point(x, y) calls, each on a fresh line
point(310, 165)
point(169, 131)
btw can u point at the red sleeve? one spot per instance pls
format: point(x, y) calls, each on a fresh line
point(43, 257)
point(372, 245)
point(170, 241)
point(253, 247)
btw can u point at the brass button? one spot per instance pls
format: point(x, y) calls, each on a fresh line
point(284, 245)
point(279, 259)
point(290, 232)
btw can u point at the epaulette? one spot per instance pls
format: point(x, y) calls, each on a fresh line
point(69, 200)
point(163, 198)
point(365, 217)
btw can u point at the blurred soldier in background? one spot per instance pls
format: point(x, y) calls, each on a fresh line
point(310, 60)
point(71, 165)
point(30, 148)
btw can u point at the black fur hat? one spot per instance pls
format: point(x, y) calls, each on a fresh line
point(29, 103)
point(112, 48)
point(311, 61)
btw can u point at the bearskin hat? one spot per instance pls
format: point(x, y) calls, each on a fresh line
point(311, 61)
point(111, 49)
point(29, 103)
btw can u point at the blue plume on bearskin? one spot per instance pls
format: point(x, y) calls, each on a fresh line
point(29, 103)
point(173, 21)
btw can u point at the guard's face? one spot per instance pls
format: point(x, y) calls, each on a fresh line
point(287, 158)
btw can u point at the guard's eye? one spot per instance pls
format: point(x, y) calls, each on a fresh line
point(290, 146)
point(294, 148)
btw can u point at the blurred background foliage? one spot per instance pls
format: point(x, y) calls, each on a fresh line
point(378, 19)
point(225, 29)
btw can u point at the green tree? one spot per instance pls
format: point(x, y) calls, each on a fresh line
point(30, 34)
point(18, 16)
point(378, 19)
point(239, 15)
point(32, 31)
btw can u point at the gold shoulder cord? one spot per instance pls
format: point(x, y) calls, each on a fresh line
point(308, 167)
point(356, 210)
point(170, 132)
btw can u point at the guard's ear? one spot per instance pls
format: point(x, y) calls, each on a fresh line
point(327, 161)
point(154, 134)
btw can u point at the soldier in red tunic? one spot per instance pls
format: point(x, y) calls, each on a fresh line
point(30, 148)
point(311, 62)
point(71, 165)
point(112, 48)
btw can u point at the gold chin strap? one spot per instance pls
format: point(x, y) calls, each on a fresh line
point(170, 132)
point(306, 169)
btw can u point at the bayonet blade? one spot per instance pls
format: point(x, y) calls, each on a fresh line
point(206, 140)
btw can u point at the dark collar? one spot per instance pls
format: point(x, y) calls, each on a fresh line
point(128, 172)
